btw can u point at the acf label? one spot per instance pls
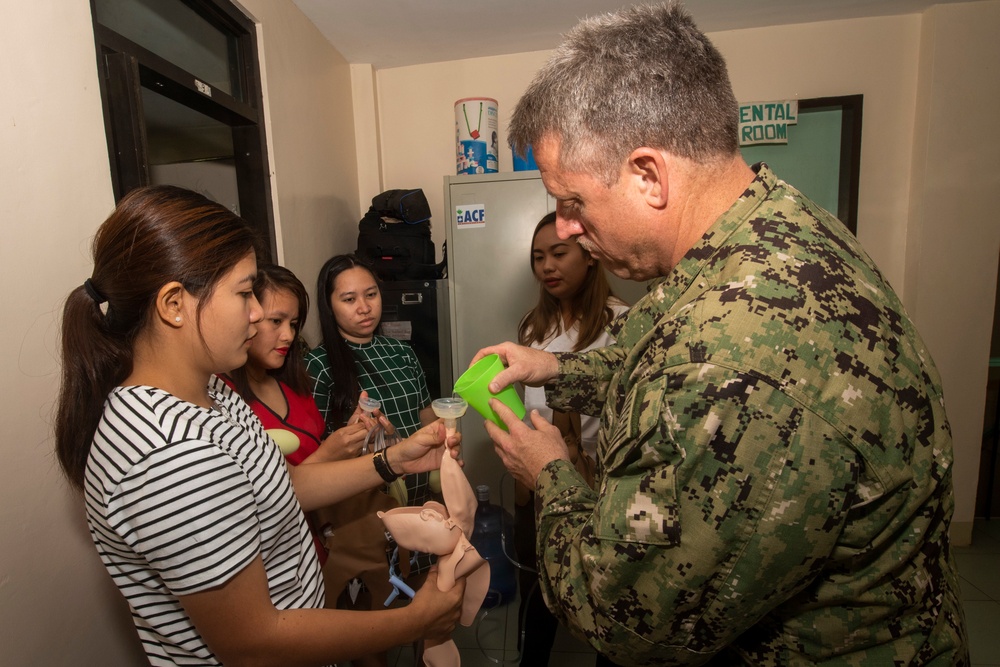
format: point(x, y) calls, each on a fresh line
point(470, 215)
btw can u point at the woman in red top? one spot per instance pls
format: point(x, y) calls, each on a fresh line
point(274, 381)
point(275, 384)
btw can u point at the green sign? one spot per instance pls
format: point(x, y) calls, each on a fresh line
point(767, 122)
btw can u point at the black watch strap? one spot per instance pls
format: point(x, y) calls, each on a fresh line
point(383, 469)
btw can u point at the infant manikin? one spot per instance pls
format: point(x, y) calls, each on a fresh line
point(445, 530)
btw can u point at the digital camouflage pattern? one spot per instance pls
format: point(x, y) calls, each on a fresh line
point(774, 462)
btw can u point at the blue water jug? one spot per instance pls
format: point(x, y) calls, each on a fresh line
point(492, 522)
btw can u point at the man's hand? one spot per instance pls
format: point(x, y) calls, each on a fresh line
point(523, 450)
point(523, 364)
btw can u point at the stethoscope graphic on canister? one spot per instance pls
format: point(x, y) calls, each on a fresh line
point(473, 133)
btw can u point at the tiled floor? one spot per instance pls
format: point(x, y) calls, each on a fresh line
point(979, 569)
point(492, 639)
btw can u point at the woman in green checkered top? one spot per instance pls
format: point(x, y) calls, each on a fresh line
point(354, 358)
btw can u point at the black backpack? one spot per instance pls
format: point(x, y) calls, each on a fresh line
point(395, 237)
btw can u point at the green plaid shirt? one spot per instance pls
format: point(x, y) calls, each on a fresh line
point(389, 371)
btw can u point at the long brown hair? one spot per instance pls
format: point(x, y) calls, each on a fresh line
point(154, 236)
point(343, 365)
point(590, 304)
point(273, 278)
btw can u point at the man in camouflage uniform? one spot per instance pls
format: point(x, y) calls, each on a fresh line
point(775, 461)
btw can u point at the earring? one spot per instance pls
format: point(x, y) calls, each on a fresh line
point(177, 319)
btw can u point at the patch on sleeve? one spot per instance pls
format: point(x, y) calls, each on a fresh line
point(641, 509)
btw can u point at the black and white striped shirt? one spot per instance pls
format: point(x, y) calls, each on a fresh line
point(181, 498)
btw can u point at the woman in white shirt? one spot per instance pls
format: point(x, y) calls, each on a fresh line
point(575, 306)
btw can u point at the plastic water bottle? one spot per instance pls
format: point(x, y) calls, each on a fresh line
point(492, 521)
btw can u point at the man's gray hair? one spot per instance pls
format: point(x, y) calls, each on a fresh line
point(643, 76)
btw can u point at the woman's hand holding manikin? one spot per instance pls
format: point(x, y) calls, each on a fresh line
point(423, 451)
point(326, 482)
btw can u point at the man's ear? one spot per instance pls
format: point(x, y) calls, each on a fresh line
point(170, 304)
point(649, 170)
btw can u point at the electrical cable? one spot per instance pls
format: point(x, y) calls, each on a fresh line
point(513, 561)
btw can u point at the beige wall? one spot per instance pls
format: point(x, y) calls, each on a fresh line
point(953, 238)
point(950, 53)
point(366, 131)
point(873, 57)
point(311, 125)
point(57, 604)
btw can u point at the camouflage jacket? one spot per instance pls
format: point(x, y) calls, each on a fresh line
point(774, 462)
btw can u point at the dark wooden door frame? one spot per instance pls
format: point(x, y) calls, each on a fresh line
point(125, 67)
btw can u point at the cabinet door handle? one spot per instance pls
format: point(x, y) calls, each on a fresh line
point(410, 298)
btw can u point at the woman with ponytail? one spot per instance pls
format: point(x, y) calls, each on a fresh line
point(190, 504)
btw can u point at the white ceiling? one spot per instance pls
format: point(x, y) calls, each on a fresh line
point(393, 33)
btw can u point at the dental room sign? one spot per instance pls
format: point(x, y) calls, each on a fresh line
point(767, 122)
